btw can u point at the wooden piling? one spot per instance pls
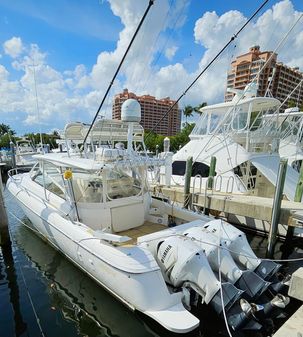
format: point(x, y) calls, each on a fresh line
point(188, 172)
point(212, 172)
point(298, 198)
point(4, 235)
point(272, 236)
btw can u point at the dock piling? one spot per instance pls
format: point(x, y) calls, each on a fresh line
point(276, 210)
point(298, 198)
point(212, 172)
point(4, 235)
point(188, 172)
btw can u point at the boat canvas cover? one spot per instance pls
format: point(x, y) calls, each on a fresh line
point(269, 167)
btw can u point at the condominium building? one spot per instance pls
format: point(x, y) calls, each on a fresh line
point(152, 110)
point(277, 79)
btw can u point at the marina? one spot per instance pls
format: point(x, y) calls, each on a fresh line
point(142, 223)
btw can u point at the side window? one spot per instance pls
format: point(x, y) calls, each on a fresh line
point(201, 169)
point(179, 168)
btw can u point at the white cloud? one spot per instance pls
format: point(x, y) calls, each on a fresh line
point(170, 52)
point(13, 47)
point(76, 93)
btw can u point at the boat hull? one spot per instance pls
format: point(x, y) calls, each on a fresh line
point(135, 281)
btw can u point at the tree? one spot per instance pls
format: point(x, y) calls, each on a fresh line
point(6, 129)
point(292, 103)
point(198, 108)
point(188, 112)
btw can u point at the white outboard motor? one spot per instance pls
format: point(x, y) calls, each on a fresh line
point(210, 245)
point(184, 264)
point(252, 284)
point(240, 249)
point(183, 261)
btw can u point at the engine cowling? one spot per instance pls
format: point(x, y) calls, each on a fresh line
point(182, 261)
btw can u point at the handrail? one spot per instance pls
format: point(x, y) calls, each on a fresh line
point(25, 169)
point(231, 178)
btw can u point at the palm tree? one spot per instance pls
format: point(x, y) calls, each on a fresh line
point(188, 112)
point(5, 129)
point(198, 108)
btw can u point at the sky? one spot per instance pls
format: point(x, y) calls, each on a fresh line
point(58, 57)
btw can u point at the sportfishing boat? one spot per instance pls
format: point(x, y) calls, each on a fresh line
point(24, 152)
point(291, 126)
point(93, 204)
point(245, 144)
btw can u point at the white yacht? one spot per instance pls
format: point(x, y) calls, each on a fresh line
point(245, 144)
point(24, 152)
point(291, 125)
point(93, 204)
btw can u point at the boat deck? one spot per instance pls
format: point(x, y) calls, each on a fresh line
point(146, 228)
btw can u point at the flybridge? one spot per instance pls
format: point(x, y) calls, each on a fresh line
point(104, 130)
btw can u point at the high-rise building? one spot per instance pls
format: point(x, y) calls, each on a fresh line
point(152, 110)
point(277, 79)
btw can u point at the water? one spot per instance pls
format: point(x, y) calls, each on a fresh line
point(43, 294)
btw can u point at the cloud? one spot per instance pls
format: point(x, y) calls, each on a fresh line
point(75, 94)
point(170, 52)
point(13, 47)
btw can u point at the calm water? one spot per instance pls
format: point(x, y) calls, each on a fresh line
point(43, 294)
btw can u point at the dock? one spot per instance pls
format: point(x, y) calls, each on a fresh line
point(293, 327)
point(259, 207)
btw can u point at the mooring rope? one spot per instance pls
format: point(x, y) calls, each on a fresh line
point(220, 280)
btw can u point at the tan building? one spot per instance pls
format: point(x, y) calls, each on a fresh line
point(276, 79)
point(152, 110)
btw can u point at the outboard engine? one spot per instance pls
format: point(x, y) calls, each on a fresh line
point(184, 264)
point(239, 248)
point(248, 281)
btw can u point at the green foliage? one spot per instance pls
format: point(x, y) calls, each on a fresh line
point(291, 104)
point(46, 138)
point(153, 140)
point(176, 141)
point(6, 129)
point(198, 107)
point(188, 111)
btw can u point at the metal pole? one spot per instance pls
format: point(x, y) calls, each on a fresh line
point(275, 216)
point(188, 172)
point(212, 172)
point(4, 235)
point(298, 198)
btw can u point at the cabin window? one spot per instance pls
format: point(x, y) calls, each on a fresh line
point(240, 115)
point(126, 183)
point(199, 168)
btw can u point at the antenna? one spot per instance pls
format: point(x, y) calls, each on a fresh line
point(37, 105)
point(151, 2)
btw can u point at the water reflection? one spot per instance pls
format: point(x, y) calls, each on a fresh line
point(80, 299)
point(8, 276)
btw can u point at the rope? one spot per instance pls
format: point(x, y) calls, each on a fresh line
point(151, 2)
point(208, 65)
point(220, 280)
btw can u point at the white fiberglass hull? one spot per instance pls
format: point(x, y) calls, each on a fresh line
point(131, 274)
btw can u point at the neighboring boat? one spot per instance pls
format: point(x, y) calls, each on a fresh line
point(24, 152)
point(245, 142)
point(93, 204)
point(291, 147)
